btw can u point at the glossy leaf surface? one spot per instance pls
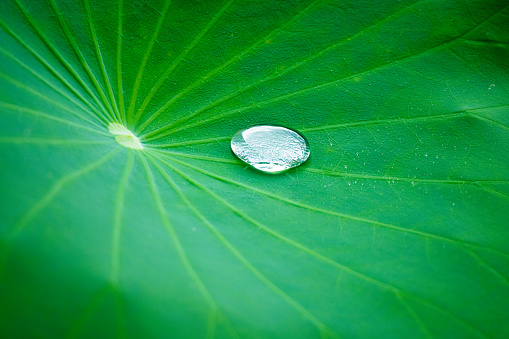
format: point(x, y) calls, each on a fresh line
point(396, 226)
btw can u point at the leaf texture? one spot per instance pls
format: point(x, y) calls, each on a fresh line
point(395, 227)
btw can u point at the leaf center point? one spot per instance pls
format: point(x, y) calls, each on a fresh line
point(124, 136)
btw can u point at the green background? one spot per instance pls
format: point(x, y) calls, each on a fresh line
point(396, 226)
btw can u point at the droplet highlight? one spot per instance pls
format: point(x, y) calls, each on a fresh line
point(271, 149)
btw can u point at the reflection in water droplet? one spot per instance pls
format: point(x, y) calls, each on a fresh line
point(270, 149)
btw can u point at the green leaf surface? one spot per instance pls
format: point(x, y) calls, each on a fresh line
point(396, 226)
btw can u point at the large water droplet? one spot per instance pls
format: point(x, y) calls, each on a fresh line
point(270, 148)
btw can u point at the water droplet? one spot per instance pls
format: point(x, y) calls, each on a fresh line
point(270, 149)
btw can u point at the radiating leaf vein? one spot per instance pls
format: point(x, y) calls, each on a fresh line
point(320, 325)
point(342, 215)
point(323, 258)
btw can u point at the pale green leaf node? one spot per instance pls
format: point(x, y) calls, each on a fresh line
point(124, 136)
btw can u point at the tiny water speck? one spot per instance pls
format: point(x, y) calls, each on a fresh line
point(271, 149)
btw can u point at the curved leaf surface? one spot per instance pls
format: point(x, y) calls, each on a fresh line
point(395, 227)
